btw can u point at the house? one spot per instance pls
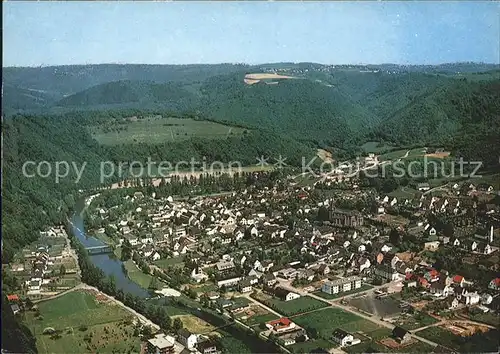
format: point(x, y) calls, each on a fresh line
point(431, 246)
point(341, 285)
point(421, 187)
point(471, 299)
point(458, 280)
point(245, 286)
point(212, 295)
point(224, 266)
point(160, 344)
point(401, 335)
point(440, 288)
point(269, 279)
point(264, 266)
point(386, 272)
point(228, 282)
point(285, 295)
point(453, 303)
point(187, 338)
point(342, 337)
point(280, 325)
point(323, 269)
point(345, 218)
point(13, 298)
point(207, 347)
point(494, 284)
point(486, 299)
point(15, 308)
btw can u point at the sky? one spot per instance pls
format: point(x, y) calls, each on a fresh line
point(424, 32)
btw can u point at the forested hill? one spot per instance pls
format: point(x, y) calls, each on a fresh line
point(29, 204)
point(172, 96)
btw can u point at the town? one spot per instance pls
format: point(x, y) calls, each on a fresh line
point(325, 264)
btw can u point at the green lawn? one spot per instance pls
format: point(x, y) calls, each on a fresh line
point(327, 296)
point(170, 262)
point(161, 130)
point(108, 327)
point(293, 307)
point(137, 275)
point(441, 336)
point(489, 318)
point(416, 321)
point(375, 147)
point(310, 345)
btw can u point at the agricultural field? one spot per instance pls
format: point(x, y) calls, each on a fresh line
point(417, 320)
point(195, 324)
point(441, 336)
point(293, 307)
point(251, 79)
point(376, 147)
point(372, 346)
point(402, 154)
point(327, 296)
point(156, 130)
point(321, 323)
point(82, 324)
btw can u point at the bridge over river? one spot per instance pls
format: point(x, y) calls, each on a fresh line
point(102, 249)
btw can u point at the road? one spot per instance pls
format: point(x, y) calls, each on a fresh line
point(435, 189)
point(78, 287)
point(335, 303)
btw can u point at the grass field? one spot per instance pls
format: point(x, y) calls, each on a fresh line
point(195, 324)
point(323, 322)
point(137, 275)
point(159, 130)
point(416, 321)
point(336, 296)
point(108, 327)
point(170, 262)
point(397, 154)
point(403, 193)
point(441, 336)
point(375, 147)
point(489, 318)
point(293, 307)
point(310, 345)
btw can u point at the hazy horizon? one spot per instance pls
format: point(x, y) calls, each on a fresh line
point(182, 33)
point(256, 64)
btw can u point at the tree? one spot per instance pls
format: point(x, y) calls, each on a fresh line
point(177, 325)
point(394, 237)
point(62, 270)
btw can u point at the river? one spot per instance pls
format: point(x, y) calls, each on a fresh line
point(109, 264)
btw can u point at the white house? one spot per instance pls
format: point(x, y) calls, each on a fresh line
point(471, 298)
point(187, 338)
point(342, 337)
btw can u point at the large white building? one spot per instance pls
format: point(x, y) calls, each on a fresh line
point(341, 285)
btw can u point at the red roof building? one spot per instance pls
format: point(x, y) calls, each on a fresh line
point(13, 297)
point(280, 325)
